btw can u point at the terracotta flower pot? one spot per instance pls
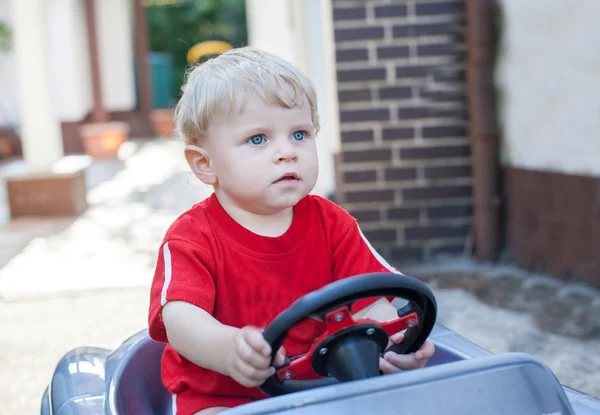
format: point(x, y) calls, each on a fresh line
point(163, 122)
point(102, 140)
point(6, 148)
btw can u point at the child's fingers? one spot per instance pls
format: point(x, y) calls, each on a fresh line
point(248, 356)
point(280, 357)
point(404, 361)
point(397, 338)
point(387, 368)
point(256, 341)
point(254, 375)
point(425, 351)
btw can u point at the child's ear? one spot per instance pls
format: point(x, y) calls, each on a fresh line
point(198, 159)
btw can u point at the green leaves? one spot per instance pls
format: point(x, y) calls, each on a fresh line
point(177, 26)
point(5, 37)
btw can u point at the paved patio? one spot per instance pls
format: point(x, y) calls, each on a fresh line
point(68, 282)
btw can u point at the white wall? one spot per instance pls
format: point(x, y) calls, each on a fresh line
point(301, 32)
point(549, 80)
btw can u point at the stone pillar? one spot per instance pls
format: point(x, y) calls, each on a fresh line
point(47, 184)
point(41, 136)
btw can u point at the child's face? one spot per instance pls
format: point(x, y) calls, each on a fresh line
point(264, 157)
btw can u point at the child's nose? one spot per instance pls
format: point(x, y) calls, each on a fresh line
point(286, 151)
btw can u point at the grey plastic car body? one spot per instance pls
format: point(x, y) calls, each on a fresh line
point(460, 378)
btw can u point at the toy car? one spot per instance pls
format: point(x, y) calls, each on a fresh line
point(339, 375)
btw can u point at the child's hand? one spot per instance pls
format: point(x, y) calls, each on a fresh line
point(393, 362)
point(249, 360)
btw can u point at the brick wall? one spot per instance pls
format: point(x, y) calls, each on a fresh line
point(404, 170)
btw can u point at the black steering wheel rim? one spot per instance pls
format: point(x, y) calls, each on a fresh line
point(343, 292)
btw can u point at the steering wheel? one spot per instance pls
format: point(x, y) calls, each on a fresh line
point(349, 349)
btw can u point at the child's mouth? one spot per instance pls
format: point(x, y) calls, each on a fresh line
point(288, 178)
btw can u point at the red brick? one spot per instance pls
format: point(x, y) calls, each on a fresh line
point(365, 156)
point(405, 113)
point(391, 11)
point(352, 95)
point(449, 211)
point(374, 114)
point(370, 215)
point(407, 254)
point(438, 49)
point(437, 192)
point(379, 195)
point(414, 71)
point(380, 235)
point(395, 92)
point(362, 33)
point(442, 172)
point(398, 133)
point(391, 52)
point(367, 74)
point(436, 231)
point(351, 55)
point(443, 96)
point(416, 112)
point(400, 173)
point(448, 249)
point(434, 152)
point(447, 7)
point(403, 213)
point(429, 29)
point(459, 114)
point(357, 136)
point(444, 131)
point(449, 76)
point(349, 13)
point(360, 176)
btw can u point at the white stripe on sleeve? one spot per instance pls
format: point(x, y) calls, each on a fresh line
point(379, 258)
point(174, 405)
point(168, 271)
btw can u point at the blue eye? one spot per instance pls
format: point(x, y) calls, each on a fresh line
point(299, 136)
point(256, 140)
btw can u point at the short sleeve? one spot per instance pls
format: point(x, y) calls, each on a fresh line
point(183, 273)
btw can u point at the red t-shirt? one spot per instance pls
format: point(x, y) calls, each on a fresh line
point(241, 278)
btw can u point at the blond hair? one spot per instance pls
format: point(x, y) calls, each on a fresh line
point(217, 87)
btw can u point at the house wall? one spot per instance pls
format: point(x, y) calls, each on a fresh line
point(405, 158)
point(548, 79)
point(70, 67)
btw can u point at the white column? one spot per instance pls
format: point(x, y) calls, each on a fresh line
point(301, 31)
point(40, 129)
point(270, 27)
point(320, 61)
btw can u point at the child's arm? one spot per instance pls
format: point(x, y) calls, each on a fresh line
point(242, 354)
point(382, 310)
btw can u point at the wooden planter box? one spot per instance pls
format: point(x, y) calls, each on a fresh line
point(102, 140)
point(163, 122)
point(47, 194)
